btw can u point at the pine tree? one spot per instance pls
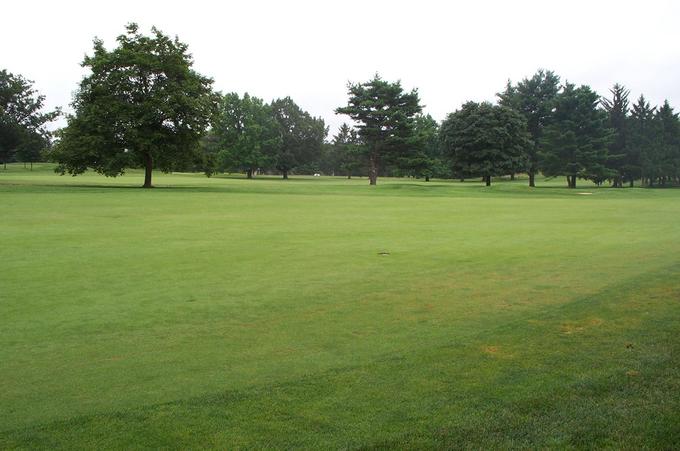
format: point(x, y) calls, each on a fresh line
point(425, 158)
point(617, 111)
point(346, 148)
point(576, 141)
point(639, 155)
point(667, 144)
point(385, 114)
point(533, 97)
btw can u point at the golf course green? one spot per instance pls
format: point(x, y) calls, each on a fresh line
point(323, 313)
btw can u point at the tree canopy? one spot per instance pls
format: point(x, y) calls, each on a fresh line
point(23, 121)
point(385, 117)
point(575, 143)
point(301, 135)
point(141, 106)
point(535, 99)
point(485, 140)
point(246, 134)
point(621, 158)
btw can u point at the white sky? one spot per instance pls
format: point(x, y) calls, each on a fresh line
point(310, 49)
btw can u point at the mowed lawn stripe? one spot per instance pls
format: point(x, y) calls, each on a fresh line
point(611, 378)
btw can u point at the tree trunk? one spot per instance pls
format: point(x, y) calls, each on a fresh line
point(373, 170)
point(632, 183)
point(532, 178)
point(571, 181)
point(285, 174)
point(487, 180)
point(512, 176)
point(427, 178)
point(349, 175)
point(148, 166)
point(31, 165)
point(249, 173)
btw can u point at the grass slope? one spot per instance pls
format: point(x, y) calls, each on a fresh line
point(228, 313)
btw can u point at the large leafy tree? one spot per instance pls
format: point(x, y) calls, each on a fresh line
point(619, 159)
point(641, 140)
point(246, 133)
point(485, 140)
point(142, 106)
point(23, 119)
point(301, 136)
point(575, 143)
point(385, 115)
point(535, 98)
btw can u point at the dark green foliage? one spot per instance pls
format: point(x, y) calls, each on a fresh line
point(485, 140)
point(141, 106)
point(535, 98)
point(301, 136)
point(641, 140)
point(426, 159)
point(23, 132)
point(386, 120)
point(575, 143)
point(245, 134)
point(622, 160)
point(347, 152)
point(663, 162)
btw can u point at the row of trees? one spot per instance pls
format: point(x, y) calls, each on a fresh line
point(143, 105)
point(250, 135)
point(23, 123)
point(538, 125)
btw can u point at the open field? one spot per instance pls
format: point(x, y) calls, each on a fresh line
point(229, 313)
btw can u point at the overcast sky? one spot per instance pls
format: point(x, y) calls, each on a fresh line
point(310, 49)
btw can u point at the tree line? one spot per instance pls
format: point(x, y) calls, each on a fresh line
point(144, 106)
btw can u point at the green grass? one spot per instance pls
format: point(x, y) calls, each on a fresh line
point(232, 313)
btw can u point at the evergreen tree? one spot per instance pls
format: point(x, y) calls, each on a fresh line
point(575, 143)
point(617, 111)
point(533, 97)
point(667, 144)
point(386, 115)
point(346, 148)
point(639, 155)
point(485, 140)
point(425, 159)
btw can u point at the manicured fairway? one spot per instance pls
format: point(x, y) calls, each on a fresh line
point(229, 313)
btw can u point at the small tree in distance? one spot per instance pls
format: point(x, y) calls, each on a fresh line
point(346, 147)
point(245, 133)
point(385, 116)
point(23, 123)
point(301, 135)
